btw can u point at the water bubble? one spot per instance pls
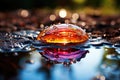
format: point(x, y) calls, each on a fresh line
point(61, 33)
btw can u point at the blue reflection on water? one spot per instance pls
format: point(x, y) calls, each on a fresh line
point(86, 69)
point(29, 71)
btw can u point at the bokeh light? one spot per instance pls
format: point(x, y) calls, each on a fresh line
point(23, 13)
point(62, 13)
point(75, 16)
point(52, 17)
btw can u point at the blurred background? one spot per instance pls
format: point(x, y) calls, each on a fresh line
point(105, 6)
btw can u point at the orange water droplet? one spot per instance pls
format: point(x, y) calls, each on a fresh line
point(63, 33)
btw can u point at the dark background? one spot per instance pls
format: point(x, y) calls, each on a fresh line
point(31, 4)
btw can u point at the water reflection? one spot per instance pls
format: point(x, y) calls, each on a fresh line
point(32, 66)
point(45, 70)
point(63, 55)
point(110, 66)
point(9, 66)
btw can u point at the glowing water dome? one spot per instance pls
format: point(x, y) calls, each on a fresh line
point(63, 33)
